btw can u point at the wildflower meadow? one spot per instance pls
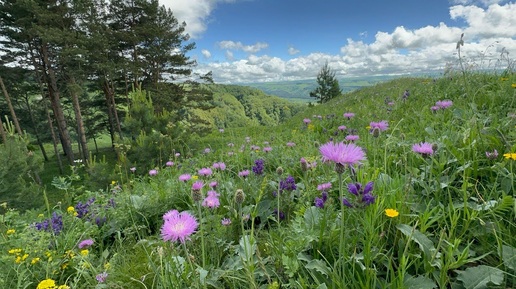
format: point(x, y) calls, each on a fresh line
point(405, 184)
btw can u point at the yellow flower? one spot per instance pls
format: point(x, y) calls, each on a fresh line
point(504, 78)
point(64, 266)
point(41, 216)
point(34, 261)
point(510, 156)
point(391, 213)
point(85, 252)
point(47, 284)
point(70, 210)
point(18, 260)
point(311, 127)
point(24, 257)
point(368, 127)
point(113, 183)
point(513, 85)
point(107, 266)
point(195, 178)
point(14, 251)
point(10, 231)
point(63, 287)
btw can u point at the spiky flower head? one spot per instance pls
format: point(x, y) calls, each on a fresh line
point(342, 154)
point(178, 226)
point(239, 196)
point(425, 149)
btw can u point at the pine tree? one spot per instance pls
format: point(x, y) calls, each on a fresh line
point(328, 85)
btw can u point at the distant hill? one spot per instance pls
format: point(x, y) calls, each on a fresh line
point(239, 106)
point(299, 90)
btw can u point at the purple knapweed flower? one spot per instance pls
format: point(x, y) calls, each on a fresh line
point(197, 186)
point(212, 200)
point(424, 148)
point(185, 177)
point(267, 149)
point(492, 155)
point(213, 184)
point(381, 126)
point(243, 173)
point(225, 222)
point(307, 121)
point(352, 137)
point(205, 172)
point(324, 187)
point(153, 172)
point(85, 243)
point(348, 115)
point(207, 150)
point(342, 127)
point(169, 163)
point(291, 144)
point(342, 154)
point(443, 104)
point(101, 277)
point(178, 227)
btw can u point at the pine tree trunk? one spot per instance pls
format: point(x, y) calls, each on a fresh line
point(38, 139)
point(2, 131)
point(54, 142)
point(55, 101)
point(9, 103)
point(106, 89)
point(80, 125)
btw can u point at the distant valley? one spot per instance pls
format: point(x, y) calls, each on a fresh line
point(299, 90)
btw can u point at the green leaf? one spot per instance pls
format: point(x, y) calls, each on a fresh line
point(312, 217)
point(247, 248)
point(509, 257)
point(318, 265)
point(478, 277)
point(419, 282)
point(426, 245)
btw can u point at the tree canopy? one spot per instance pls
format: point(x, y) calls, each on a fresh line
point(328, 85)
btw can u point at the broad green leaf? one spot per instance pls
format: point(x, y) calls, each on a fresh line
point(322, 286)
point(247, 248)
point(318, 265)
point(419, 282)
point(509, 257)
point(426, 245)
point(312, 217)
point(137, 201)
point(478, 277)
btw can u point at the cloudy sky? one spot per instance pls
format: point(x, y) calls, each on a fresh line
point(274, 40)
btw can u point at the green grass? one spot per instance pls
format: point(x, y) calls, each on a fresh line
point(455, 227)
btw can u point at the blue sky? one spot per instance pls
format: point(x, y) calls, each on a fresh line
point(274, 40)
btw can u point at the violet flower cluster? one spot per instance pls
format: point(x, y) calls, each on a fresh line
point(362, 195)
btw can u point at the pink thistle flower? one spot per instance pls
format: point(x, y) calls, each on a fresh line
point(213, 184)
point(424, 148)
point(444, 103)
point(185, 177)
point(352, 137)
point(85, 243)
point(435, 108)
point(492, 155)
point(349, 115)
point(291, 144)
point(243, 173)
point(169, 163)
point(205, 172)
point(324, 187)
point(267, 149)
point(101, 277)
point(178, 227)
point(343, 154)
point(226, 222)
point(381, 126)
point(212, 200)
point(153, 172)
point(307, 120)
point(197, 186)
point(342, 127)
point(177, 155)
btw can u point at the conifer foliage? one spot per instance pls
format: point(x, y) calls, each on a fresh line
point(328, 85)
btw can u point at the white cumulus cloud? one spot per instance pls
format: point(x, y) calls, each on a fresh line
point(489, 37)
point(206, 53)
